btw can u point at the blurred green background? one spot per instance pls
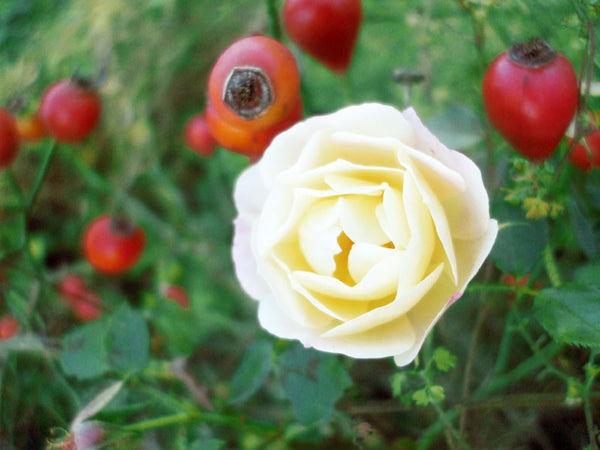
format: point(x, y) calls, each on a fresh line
point(152, 60)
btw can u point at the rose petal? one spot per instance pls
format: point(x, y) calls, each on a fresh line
point(318, 236)
point(363, 257)
point(244, 263)
point(379, 282)
point(249, 192)
point(368, 119)
point(431, 308)
point(471, 219)
point(405, 300)
point(359, 220)
point(422, 239)
point(472, 254)
point(289, 300)
point(392, 218)
point(391, 338)
point(438, 215)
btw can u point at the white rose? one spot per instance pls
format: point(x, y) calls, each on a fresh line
point(356, 231)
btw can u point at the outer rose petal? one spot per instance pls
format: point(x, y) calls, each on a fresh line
point(395, 197)
point(245, 266)
point(369, 119)
point(472, 219)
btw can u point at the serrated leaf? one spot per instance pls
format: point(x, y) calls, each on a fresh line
point(428, 395)
point(84, 353)
point(571, 315)
point(128, 340)
point(583, 230)
point(443, 359)
point(588, 274)
point(252, 371)
point(313, 382)
point(398, 382)
point(520, 241)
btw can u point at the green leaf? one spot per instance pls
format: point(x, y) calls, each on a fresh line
point(84, 353)
point(128, 340)
point(313, 382)
point(583, 230)
point(520, 242)
point(443, 359)
point(398, 381)
point(588, 274)
point(250, 375)
point(571, 315)
point(428, 395)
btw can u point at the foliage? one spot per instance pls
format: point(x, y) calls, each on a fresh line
point(505, 367)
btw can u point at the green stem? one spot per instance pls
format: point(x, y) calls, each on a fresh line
point(453, 437)
point(274, 19)
point(41, 174)
point(197, 416)
point(496, 384)
point(590, 375)
point(504, 349)
point(15, 185)
point(551, 267)
point(537, 353)
point(499, 287)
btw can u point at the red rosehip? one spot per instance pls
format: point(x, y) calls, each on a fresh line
point(198, 137)
point(325, 29)
point(530, 95)
point(70, 110)
point(113, 245)
point(8, 327)
point(9, 138)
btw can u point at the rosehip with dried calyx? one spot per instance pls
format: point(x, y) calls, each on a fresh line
point(254, 83)
point(70, 110)
point(325, 29)
point(113, 245)
point(530, 95)
point(251, 143)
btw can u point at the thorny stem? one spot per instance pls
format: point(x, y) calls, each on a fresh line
point(453, 437)
point(501, 402)
point(481, 316)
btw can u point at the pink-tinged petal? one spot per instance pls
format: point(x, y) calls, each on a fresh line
point(454, 298)
point(244, 261)
point(249, 194)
